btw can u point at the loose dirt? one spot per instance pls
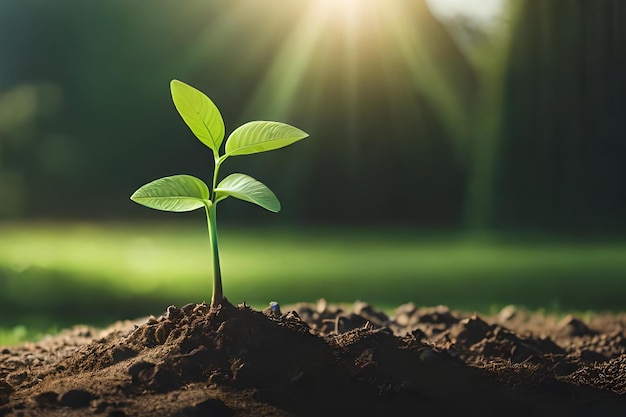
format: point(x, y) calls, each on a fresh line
point(323, 360)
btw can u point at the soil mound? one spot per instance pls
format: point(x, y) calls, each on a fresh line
point(321, 359)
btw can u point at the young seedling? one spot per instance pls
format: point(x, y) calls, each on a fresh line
point(181, 193)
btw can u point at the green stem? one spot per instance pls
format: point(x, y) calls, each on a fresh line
point(218, 162)
point(218, 294)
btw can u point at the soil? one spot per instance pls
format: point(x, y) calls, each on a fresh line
point(323, 360)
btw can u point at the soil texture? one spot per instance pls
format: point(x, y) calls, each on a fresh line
point(320, 359)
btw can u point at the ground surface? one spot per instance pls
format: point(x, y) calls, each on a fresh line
point(319, 359)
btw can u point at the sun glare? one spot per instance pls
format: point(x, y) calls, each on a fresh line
point(342, 8)
point(326, 43)
point(372, 59)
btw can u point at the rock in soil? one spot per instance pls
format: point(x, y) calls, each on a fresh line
point(323, 360)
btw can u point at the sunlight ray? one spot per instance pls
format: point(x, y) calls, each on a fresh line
point(288, 68)
point(426, 77)
point(364, 59)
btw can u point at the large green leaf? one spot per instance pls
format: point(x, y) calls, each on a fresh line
point(246, 188)
point(176, 193)
point(200, 114)
point(262, 136)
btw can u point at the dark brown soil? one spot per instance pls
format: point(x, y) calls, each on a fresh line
point(323, 360)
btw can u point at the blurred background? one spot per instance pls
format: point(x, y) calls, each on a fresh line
point(470, 154)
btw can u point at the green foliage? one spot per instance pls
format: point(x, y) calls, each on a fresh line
point(261, 136)
point(200, 114)
point(246, 188)
point(175, 193)
point(181, 193)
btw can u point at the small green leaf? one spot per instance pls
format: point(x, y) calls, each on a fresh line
point(199, 113)
point(262, 136)
point(246, 188)
point(176, 193)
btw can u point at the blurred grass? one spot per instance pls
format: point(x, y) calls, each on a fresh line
point(55, 275)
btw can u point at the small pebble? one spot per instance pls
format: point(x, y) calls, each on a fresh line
point(273, 309)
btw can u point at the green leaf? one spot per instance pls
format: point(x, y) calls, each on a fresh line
point(246, 188)
point(262, 136)
point(176, 193)
point(199, 113)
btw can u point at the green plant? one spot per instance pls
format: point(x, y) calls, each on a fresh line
point(181, 193)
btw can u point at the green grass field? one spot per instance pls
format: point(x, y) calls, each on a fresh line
point(54, 275)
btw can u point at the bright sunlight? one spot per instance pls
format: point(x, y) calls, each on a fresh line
point(351, 53)
point(354, 53)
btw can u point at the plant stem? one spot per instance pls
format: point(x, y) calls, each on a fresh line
point(218, 162)
point(218, 294)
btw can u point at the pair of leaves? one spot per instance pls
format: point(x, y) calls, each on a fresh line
point(205, 121)
point(186, 193)
point(180, 193)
